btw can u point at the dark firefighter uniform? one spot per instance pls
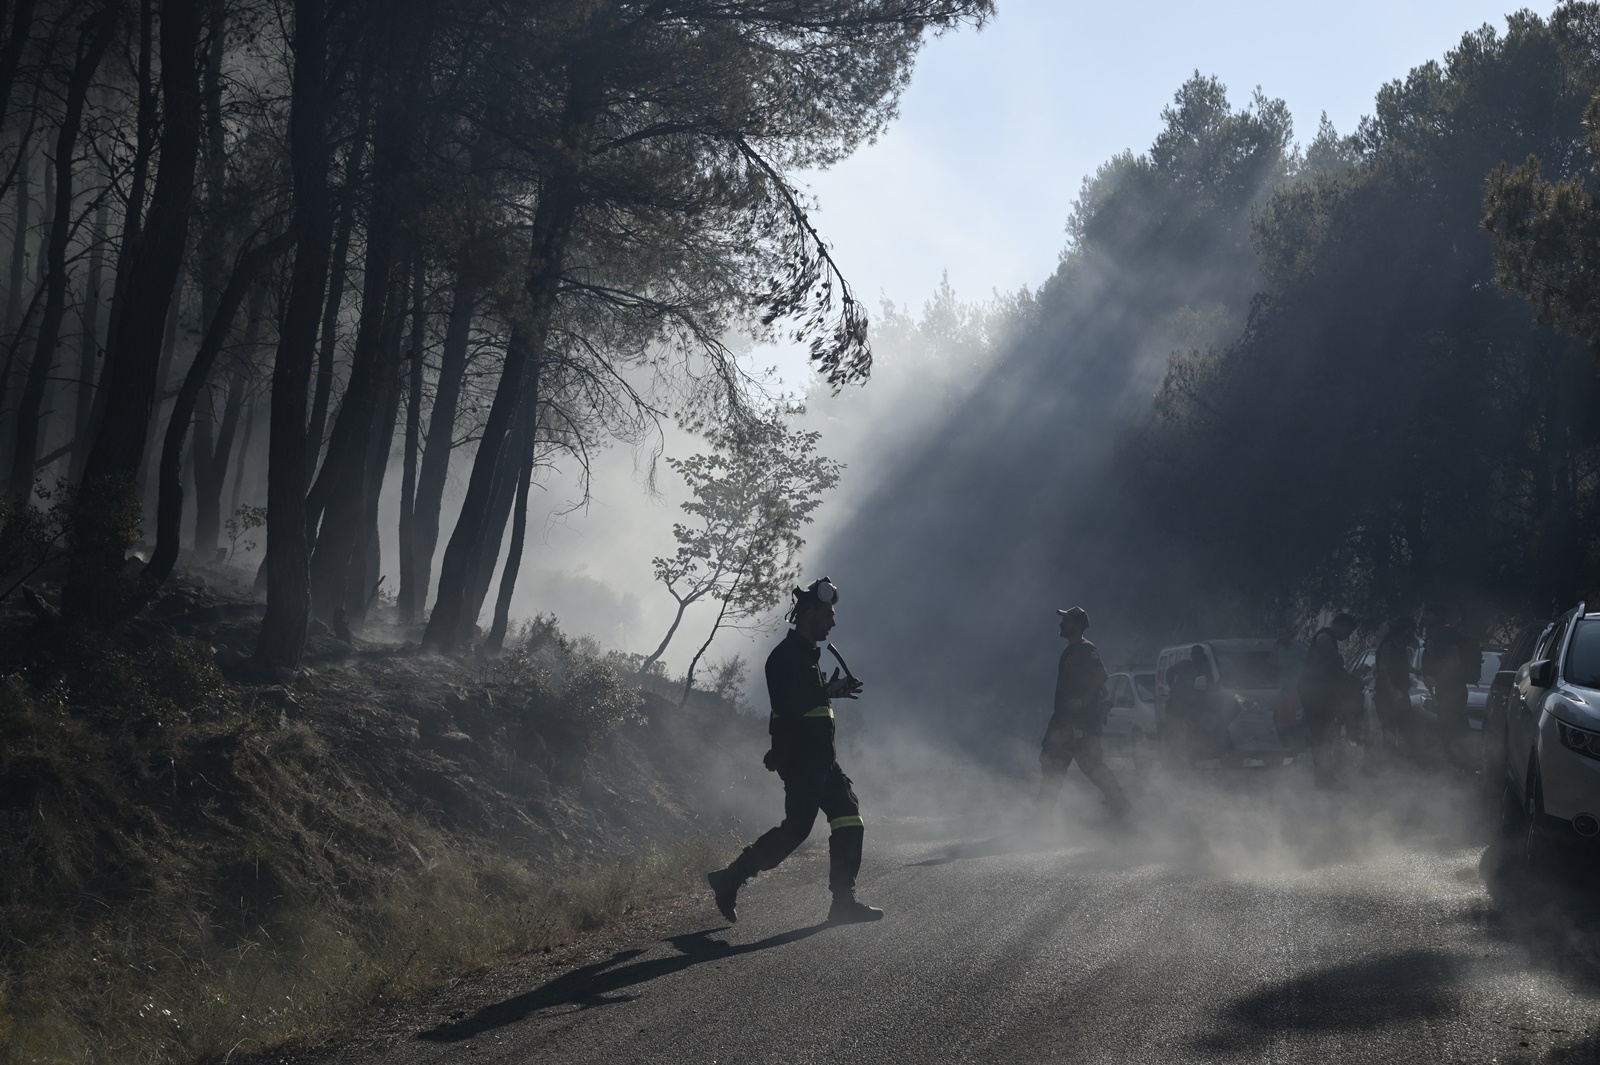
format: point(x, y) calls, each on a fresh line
point(1327, 691)
point(1074, 729)
point(802, 730)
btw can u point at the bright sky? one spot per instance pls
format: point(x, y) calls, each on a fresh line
point(999, 128)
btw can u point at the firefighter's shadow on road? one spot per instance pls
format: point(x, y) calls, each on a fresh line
point(601, 984)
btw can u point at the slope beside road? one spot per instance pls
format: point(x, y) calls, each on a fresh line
point(1245, 918)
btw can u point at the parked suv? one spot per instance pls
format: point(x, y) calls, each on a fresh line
point(1551, 791)
point(1249, 699)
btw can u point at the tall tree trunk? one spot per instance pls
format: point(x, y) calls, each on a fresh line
point(407, 601)
point(169, 350)
point(11, 52)
point(520, 444)
point(452, 620)
point(17, 318)
point(92, 44)
point(138, 176)
point(241, 465)
point(102, 527)
point(435, 466)
point(337, 492)
point(328, 343)
point(366, 557)
point(283, 629)
point(211, 471)
point(19, 250)
point(508, 575)
point(89, 346)
point(169, 508)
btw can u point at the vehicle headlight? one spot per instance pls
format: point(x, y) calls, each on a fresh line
point(1576, 739)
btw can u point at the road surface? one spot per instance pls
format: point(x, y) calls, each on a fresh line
point(1246, 918)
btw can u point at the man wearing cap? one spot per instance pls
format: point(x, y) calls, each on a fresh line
point(1074, 729)
point(802, 754)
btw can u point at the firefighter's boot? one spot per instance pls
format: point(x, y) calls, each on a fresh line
point(847, 909)
point(725, 884)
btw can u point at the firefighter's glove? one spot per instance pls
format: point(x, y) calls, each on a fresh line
point(770, 760)
point(842, 687)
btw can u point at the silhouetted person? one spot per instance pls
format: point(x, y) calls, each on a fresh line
point(1391, 680)
point(803, 756)
point(1188, 692)
point(1074, 729)
point(1327, 691)
point(1451, 660)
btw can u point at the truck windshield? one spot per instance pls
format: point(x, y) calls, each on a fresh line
point(1248, 670)
point(1146, 683)
point(1583, 660)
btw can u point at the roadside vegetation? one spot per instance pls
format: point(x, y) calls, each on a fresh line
point(194, 863)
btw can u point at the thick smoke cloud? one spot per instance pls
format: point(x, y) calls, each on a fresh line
point(1005, 501)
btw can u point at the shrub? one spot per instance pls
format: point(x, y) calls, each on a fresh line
point(567, 687)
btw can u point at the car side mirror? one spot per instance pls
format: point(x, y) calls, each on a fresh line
point(1542, 674)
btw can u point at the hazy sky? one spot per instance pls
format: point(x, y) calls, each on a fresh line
point(997, 131)
point(999, 128)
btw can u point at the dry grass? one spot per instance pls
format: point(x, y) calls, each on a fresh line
point(164, 984)
point(189, 871)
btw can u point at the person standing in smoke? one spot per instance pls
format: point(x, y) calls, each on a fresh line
point(1327, 691)
point(1074, 729)
point(803, 756)
point(1450, 661)
point(1188, 684)
point(1391, 682)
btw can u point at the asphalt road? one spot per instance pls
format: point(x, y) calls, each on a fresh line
point(1245, 918)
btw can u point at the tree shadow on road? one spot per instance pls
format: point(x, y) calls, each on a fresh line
point(1355, 996)
point(599, 984)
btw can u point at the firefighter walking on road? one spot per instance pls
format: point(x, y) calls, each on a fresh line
point(802, 730)
point(1074, 729)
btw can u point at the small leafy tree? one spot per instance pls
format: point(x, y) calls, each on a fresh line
point(244, 520)
point(752, 494)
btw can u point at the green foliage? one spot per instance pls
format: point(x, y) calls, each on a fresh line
point(245, 519)
point(752, 494)
point(141, 690)
point(728, 680)
point(1390, 429)
point(570, 691)
point(32, 537)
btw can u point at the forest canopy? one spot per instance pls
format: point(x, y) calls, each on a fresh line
point(256, 242)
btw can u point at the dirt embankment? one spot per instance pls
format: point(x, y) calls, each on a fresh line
point(196, 858)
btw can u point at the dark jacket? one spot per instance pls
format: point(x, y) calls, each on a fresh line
point(1079, 677)
point(802, 715)
point(1393, 667)
point(1325, 682)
